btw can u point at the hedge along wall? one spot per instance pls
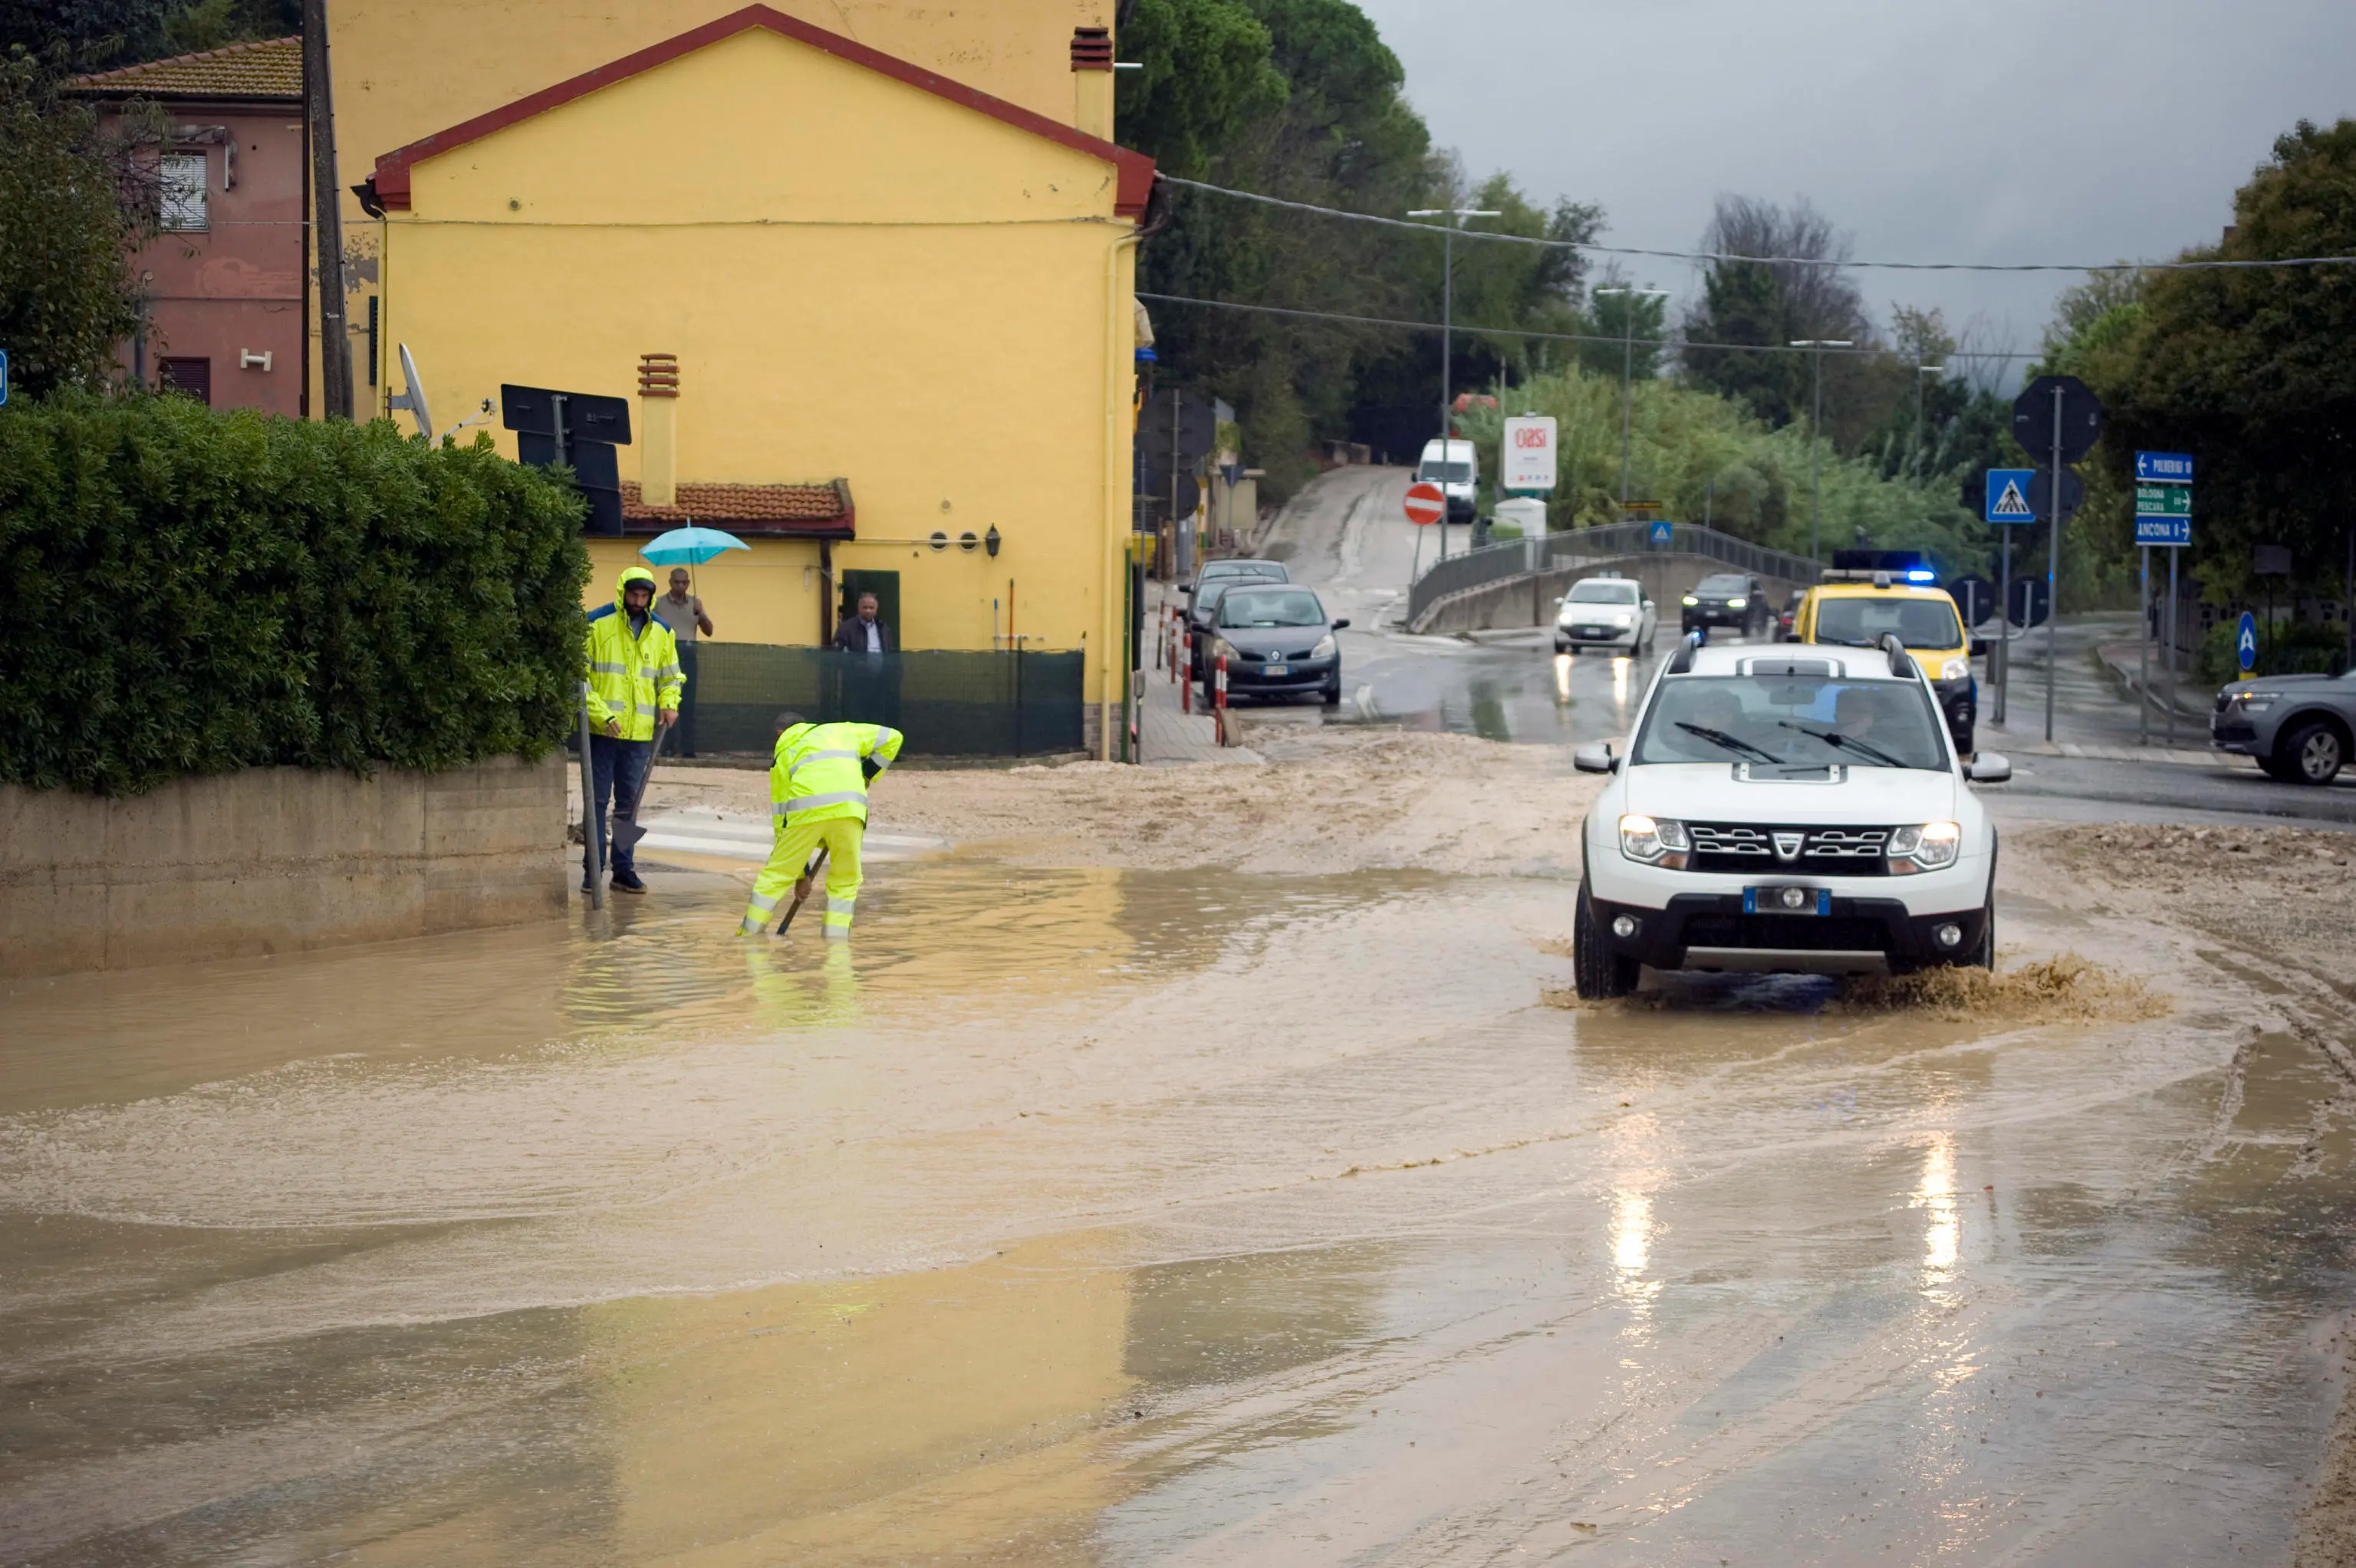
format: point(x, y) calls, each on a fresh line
point(188, 591)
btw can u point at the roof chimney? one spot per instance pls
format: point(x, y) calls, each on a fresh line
point(658, 429)
point(1092, 81)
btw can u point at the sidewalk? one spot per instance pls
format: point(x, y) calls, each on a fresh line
point(2193, 699)
point(1168, 738)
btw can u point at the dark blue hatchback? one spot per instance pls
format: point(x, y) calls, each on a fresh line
point(1278, 641)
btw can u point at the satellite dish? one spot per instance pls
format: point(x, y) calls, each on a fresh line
point(413, 400)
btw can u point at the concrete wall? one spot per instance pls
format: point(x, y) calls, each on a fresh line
point(1529, 600)
point(274, 860)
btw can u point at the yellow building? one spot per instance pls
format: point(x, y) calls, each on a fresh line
point(901, 307)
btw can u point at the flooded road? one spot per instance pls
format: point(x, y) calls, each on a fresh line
point(1126, 1216)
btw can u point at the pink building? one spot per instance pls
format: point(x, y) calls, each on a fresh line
point(226, 281)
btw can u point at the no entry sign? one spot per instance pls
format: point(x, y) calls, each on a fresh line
point(1425, 505)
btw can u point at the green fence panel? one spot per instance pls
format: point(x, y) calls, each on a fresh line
point(949, 702)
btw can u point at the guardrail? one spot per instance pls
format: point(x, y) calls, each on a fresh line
point(1521, 558)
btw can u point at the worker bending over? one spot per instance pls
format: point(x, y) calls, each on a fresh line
point(818, 794)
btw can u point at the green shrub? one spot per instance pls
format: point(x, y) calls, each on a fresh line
point(192, 592)
point(2293, 648)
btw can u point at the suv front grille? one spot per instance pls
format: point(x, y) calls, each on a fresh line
point(1824, 852)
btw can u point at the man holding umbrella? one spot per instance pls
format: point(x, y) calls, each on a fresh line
point(682, 610)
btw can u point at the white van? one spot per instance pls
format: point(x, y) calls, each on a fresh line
point(1453, 467)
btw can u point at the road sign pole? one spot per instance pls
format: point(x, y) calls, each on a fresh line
point(2143, 645)
point(2004, 629)
point(2053, 576)
point(2171, 649)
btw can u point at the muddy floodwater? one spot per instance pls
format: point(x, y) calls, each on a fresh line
point(1078, 1216)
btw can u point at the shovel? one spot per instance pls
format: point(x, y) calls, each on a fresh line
point(626, 831)
point(802, 893)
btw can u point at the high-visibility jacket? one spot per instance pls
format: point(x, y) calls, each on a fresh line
point(632, 675)
point(817, 773)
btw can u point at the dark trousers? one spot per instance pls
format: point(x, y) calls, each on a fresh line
point(617, 770)
point(684, 746)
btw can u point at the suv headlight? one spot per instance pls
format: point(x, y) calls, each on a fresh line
point(1926, 847)
point(1955, 669)
point(1691, 600)
point(1737, 602)
point(2257, 701)
point(1325, 647)
point(1656, 841)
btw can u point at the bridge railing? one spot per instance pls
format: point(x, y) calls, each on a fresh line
point(1555, 552)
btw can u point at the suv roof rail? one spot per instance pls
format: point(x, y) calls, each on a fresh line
point(1681, 663)
point(1901, 662)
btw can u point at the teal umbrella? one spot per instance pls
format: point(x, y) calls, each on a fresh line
point(689, 547)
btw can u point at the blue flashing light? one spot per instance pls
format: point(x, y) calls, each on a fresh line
point(1920, 575)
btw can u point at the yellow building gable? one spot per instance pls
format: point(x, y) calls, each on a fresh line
point(866, 272)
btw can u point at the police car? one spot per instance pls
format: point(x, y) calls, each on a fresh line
point(1800, 810)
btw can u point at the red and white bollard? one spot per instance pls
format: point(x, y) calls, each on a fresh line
point(1219, 699)
point(1186, 671)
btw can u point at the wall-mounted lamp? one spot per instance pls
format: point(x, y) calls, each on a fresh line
point(990, 541)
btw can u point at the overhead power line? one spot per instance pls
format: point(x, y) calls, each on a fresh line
point(1614, 339)
point(1834, 263)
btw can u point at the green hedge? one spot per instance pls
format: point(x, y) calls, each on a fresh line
point(2293, 647)
point(192, 592)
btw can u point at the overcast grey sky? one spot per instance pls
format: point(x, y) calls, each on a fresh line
point(1931, 129)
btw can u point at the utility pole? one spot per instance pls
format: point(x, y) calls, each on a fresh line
point(1815, 437)
point(1627, 368)
point(1451, 214)
point(1914, 463)
point(327, 217)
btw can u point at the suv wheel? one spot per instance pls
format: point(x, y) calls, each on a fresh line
point(1986, 957)
point(1598, 972)
point(2311, 754)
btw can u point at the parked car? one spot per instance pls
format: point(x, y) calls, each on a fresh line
point(1604, 612)
point(1726, 599)
point(1803, 812)
point(1277, 642)
point(1214, 579)
point(2297, 726)
point(1454, 466)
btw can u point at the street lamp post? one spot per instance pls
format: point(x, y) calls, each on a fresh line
point(1447, 331)
point(1627, 368)
point(1915, 464)
point(1815, 432)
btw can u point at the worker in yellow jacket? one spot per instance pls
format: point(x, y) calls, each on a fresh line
point(634, 686)
point(818, 794)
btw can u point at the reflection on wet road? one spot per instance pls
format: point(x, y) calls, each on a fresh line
point(1109, 1217)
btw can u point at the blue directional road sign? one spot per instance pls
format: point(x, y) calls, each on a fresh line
point(2245, 642)
point(3, 378)
point(2007, 496)
point(2163, 469)
point(1661, 533)
point(2164, 530)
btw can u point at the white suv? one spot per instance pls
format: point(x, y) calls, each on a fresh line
point(1802, 811)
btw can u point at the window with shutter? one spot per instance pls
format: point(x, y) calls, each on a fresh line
point(184, 176)
point(190, 378)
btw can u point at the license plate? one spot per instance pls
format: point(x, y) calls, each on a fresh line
point(1597, 631)
point(1280, 669)
point(1786, 900)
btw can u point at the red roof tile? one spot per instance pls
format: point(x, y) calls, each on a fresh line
point(803, 511)
point(268, 68)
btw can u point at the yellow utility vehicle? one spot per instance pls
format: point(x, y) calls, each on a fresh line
point(1867, 594)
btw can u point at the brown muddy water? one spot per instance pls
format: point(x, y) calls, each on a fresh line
point(1092, 1217)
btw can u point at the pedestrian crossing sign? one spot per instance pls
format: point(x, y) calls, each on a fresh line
point(2007, 496)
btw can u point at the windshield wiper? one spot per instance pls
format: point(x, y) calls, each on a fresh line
point(1731, 742)
point(1847, 744)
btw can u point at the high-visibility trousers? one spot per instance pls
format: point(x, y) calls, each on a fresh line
point(790, 856)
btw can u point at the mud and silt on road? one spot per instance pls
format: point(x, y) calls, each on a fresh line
point(1229, 1196)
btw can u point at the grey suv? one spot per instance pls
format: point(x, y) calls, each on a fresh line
point(2297, 726)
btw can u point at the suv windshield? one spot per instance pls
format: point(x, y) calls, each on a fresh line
point(1799, 722)
point(1724, 585)
point(1445, 473)
point(1266, 607)
point(1862, 621)
point(1593, 593)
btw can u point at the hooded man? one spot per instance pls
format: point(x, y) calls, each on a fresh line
point(818, 794)
point(634, 686)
